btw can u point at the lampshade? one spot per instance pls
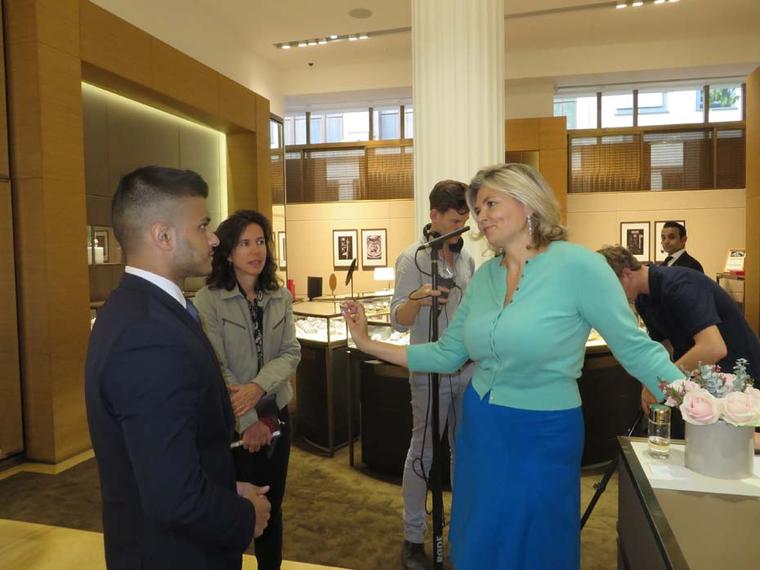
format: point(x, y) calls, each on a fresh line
point(384, 274)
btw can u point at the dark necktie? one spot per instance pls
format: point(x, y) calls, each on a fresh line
point(193, 311)
point(667, 260)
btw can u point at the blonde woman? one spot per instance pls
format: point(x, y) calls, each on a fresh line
point(524, 321)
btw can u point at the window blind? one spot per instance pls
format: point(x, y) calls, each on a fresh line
point(390, 172)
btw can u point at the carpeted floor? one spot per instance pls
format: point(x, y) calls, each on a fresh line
point(334, 514)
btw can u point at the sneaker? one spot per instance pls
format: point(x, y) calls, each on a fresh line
point(414, 558)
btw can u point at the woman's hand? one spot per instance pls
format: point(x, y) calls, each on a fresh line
point(244, 397)
point(356, 320)
point(647, 399)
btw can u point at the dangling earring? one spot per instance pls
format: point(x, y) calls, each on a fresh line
point(530, 232)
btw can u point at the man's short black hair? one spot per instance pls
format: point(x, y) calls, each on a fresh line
point(680, 227)
point(447, 195)
point(145, 189)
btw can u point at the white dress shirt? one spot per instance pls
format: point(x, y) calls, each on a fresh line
point(675, 255)
point(165, 284)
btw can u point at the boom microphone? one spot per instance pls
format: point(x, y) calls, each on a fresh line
point(436, 242)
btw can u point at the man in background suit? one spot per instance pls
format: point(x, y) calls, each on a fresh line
point(674, 244)
point(159, 413)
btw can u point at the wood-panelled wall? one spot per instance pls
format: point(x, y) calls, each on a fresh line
point(547, 135)
point(52, 47)
point(121, 58)
point(752, 262)
point(47, 169)
point(11, 435)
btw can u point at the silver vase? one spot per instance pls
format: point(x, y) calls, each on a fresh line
point(720, 450)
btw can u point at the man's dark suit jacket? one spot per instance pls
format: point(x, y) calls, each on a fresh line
point(161, 424)
point(685, 260)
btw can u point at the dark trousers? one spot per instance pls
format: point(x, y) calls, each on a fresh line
point(261, 470)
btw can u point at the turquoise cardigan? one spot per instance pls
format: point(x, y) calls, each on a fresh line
point(530, 353)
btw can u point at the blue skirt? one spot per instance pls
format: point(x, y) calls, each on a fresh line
point(516, 497)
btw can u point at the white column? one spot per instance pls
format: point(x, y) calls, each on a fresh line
point(458, 94)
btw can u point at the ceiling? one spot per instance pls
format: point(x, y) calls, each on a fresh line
point(534, 24)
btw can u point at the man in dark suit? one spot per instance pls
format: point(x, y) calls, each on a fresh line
point(674, 244)
point(159, 413)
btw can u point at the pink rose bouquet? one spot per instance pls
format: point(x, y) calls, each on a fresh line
point(709, 395)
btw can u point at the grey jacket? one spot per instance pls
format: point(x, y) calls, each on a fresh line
point(227, 322)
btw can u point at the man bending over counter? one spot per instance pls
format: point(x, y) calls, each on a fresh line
point(690, 313)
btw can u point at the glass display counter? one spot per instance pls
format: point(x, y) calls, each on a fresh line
point(321, 377)
point(319, 322)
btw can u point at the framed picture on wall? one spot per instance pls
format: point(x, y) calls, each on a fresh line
point(634, 236)
point(735, 261)
point(282, 250)
point(659, 253)
point(100, 246)
point(345, 247)
point(374, 248)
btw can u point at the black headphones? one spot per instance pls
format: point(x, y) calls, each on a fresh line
point(429, 235)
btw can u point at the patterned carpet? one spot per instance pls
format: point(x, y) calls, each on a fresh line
point(334, 514)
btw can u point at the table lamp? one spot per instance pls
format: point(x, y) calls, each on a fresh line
point(384, 274)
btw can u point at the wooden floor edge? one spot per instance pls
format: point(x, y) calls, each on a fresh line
point(46, 468)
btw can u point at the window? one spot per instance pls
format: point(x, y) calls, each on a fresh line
point(579, 110)
point(675, 104)
point(726, 103)
point(675, 107)
point(295, 129)
point(275, 130)
point(277, 156)
point(316, 128)
point(408, 122)
point(386, 123)
point(616, 109)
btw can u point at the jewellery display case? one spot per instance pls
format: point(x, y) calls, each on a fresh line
point(322, 376)
point(321, 380)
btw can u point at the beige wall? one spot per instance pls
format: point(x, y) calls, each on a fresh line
point(310, 229)
point(278, 225)
point(526, 99)
point(715, 219)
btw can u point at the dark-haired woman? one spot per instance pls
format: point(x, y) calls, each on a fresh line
point(248, 317)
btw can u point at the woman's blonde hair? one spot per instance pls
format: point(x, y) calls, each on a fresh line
point(527, 186)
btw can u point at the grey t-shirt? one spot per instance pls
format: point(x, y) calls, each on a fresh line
point(411, 276)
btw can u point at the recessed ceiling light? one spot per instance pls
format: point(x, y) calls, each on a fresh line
point(360, 13)
point(621, 5)
point(637, 3)
point(337, 38)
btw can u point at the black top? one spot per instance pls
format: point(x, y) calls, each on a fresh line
point(685, 260)
point(682, 302)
